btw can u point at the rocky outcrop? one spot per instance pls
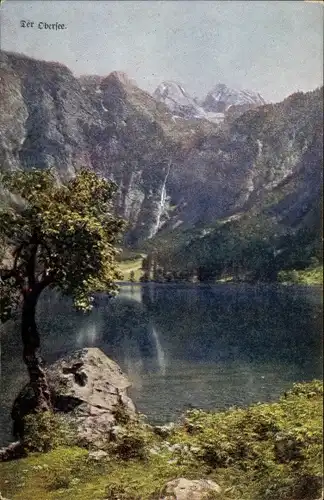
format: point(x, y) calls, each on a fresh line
point(12, 452)
point(90, 389)
point(186, 489)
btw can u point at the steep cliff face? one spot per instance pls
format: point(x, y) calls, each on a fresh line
point(263, 203)
point(52, 114)
point(52, 119)
point(13, 117)
point(272, 154)
point(171, 172)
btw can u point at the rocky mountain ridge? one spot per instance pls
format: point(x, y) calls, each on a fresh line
point(214, 107)
point(171, 172)
point(179, 101)
point(221, 98)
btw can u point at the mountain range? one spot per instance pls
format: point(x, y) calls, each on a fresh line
point(217, 104)
point(179, 162)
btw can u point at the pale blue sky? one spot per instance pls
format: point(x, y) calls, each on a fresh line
point(274, 47)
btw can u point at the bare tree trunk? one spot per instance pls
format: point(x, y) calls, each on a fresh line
point(31, 344)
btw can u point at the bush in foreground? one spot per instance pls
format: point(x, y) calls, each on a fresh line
point(265, 452)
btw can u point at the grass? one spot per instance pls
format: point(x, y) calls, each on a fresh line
point(131, 265)
point(226, 279)
point(265, 452)
point(67, 473)
point(310, 276)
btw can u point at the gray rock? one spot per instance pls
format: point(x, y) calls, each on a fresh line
point(12, 452)
point(164, 430)
point(187, 489)
point(90, 389)
point(98, 455)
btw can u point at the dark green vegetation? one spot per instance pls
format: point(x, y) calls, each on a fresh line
point(61, 236)
point(251, 248)
point(130, 265)
point(267, 451)
point(309, 276)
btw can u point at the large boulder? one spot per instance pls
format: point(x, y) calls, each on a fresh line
point(90, 389)
point(189, 489)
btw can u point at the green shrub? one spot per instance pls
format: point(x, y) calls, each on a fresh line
point(44, 431)
point(310, 390)
point(131, 442)
point(118, 492)
point(278, 445)
point(120, 413)
point(265, 452)
point(69, 468)
point(309, 276)
point(58, 480)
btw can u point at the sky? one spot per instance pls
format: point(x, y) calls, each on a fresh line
point(273, 47)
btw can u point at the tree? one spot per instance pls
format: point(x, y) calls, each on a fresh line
point(132, 276)
point(62, 236)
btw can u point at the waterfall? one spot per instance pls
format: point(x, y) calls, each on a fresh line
point(156, 227)
point(159, 350)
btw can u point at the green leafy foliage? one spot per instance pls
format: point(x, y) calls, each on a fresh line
point(62, 236)
point(267, 451)
point(310, 276)
point(131, 442)
point(44, 431)
point(277, 446)
point(119, 492)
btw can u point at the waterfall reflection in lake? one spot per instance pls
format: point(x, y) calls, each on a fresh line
point(160, 355)
point(184, 345)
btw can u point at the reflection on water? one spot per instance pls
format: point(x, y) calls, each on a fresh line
point(184, 345)
point(160, 354)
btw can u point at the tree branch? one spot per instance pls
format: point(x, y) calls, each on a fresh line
point(31, 266)
point(7, 274)
point(16, 254)
point(47, 280)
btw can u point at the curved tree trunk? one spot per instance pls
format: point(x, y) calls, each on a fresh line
point(31, 344)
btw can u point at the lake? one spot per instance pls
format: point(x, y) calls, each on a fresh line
point(184, 346)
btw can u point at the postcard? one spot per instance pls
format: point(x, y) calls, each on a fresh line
point(161, 262)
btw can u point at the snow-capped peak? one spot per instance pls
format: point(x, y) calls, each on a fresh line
point(174, 96)
point(213, 108)
point(221, 98)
